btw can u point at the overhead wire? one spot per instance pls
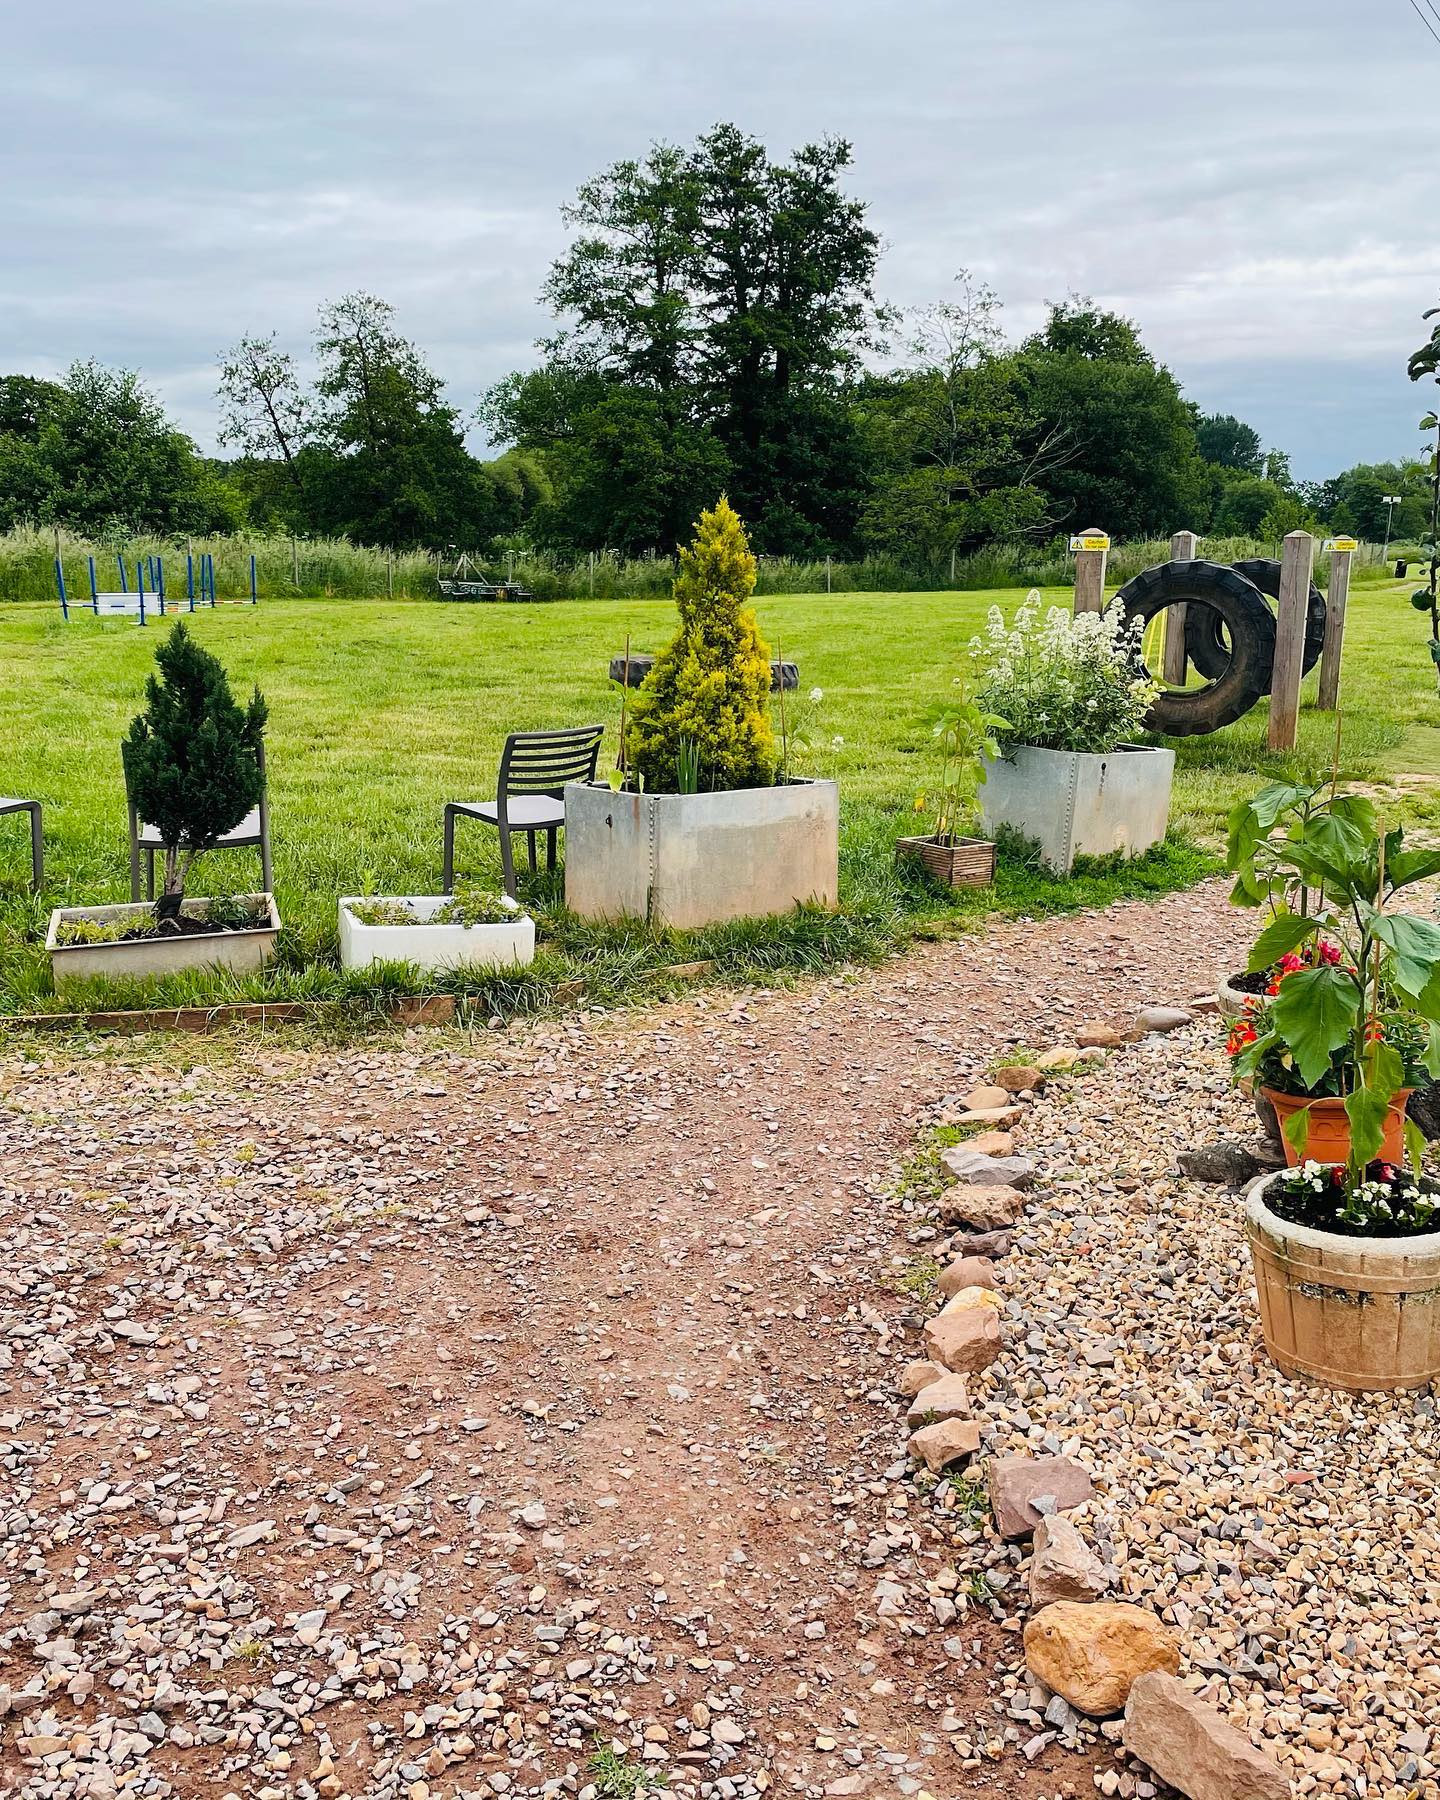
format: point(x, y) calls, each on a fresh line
point(1415, 8)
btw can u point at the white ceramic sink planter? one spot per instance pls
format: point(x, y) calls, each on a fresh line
point(239, 952)
point(687, 860)
point(1073, 803)
point(439, 945)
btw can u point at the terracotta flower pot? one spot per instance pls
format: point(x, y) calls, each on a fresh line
point(1360, 1313)
point(1328, 1138)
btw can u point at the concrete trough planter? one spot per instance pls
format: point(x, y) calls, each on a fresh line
point(1075, 804)
point(438, 946)
point(239, 952)
point(1360, 1313)
point(687, 860)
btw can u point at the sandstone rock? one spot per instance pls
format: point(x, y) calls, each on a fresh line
point(1095, 1036)
point(999, 1116)
point(965, 1272)
point(1224, 1164)
point(981, 1207)
point(980, 1243)
point(1194, 1748)
point(992, 1143)
point(1091, 1655)
point(939, 1445)
point(1025, 1489)
point(1064, 1566)
point(1016, 1078)
point(1058, 1056)
point(978, 1099)
point(947, 1398)
point(917, 1375)
point(966, 1336)
point(1162, 1018)
point(968, 1165)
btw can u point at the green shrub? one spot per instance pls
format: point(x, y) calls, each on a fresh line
point(707, 692)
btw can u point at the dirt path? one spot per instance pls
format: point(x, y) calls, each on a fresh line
point(397, 1422)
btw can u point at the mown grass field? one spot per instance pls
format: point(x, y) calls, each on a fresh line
point(380, 711)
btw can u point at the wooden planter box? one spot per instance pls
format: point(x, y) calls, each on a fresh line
point(241, 952)
point(968, 862)
point(1348, 1312)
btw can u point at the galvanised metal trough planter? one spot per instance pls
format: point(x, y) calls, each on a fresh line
point(687, 860)
point(1072, 803)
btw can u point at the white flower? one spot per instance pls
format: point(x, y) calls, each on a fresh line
point(837, 743)
point(817, 695)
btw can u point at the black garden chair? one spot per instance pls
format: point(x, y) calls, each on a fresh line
point(9, 804)
point(534, 768)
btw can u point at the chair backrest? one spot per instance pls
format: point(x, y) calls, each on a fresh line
point(541, 762)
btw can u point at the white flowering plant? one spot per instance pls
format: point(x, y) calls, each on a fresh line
point(1382, 1201)
point(1063, 681)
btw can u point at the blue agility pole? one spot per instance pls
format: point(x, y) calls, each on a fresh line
point(254, 591)
point(60, 584)
point(160, 580)
point(140, 586)
point(190, 578)
point(94, 591)
point(120, 564)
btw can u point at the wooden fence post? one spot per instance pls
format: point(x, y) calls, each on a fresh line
point(1336, 595)
point(295, 562)
point(1294, 607)
point(1173, 660)
point(1091, 549)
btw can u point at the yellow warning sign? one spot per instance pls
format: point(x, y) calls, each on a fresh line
point(1092, 540)
point(1342, 544)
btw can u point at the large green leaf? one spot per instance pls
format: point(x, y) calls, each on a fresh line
point(1315, 1012)
point(1414, 1147)
point(1366, 1110)
point(1431, 1058)
point(1296, 1129)
point(1405, 867)
point(1280, 936)
point(1415, 943)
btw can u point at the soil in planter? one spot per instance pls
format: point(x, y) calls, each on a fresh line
point(87, 931)
point(1394, 1204)
point(1254, 981)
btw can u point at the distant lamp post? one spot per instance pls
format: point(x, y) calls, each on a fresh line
point(1391, 502)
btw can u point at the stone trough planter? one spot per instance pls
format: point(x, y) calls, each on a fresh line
point(687, 860)
point(1360, 1313)
point(241, 952)
point(436, 946)
point(1074, 804)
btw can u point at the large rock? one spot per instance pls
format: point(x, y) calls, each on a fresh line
point(981, 1208)
point(966, 1334)
point(946, 1442)
point(1092, 1655)
point(1163, 1018)
point(965, 1272)
point(1096, 1036)
point(1058, 1056)
point(970, 1166)
point(980, 1243)
point(999, 1116)
point(1018, 1078)
point(1026, 1489)
point(947, 1398)
point(1223, 1164)
point(1190, 1745)
point(917, 1375)
point(1064, 1566)
point(992, 1143)
point(981, 1098)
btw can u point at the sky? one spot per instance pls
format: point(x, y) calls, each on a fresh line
point(1254, 182)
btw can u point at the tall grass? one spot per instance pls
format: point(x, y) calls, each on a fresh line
point(335, 568)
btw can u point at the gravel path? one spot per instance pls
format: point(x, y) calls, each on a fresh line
point(401, 1422)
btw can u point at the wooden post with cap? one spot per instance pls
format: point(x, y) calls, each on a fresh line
point(1091, 549)
point(1173, 658)
point(1341, 549)
point(1291, 615)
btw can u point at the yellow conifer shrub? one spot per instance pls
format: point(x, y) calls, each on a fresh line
point(712, 683)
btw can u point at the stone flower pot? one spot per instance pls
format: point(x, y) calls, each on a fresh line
point(1348, 1312)
point(687, 860)
point(1074, 804)
point(241, 952)
point(436, 946)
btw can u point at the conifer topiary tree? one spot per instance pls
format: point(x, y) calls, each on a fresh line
point(192, 759)
point(707, 692)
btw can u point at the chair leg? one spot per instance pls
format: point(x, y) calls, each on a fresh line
point(550, 837)
point(530, 846)
point(37, 849)
point(447, 877)
point(267, 870)
point(507, 861)
point(134, 857)
point(150, 875)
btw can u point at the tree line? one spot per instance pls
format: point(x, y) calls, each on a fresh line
point(718, 329)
